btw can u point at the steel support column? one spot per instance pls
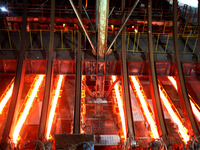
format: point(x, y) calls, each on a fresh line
point(77, 102)
point(102, 27)
point(182, 90)
point(122, 26)
point(125, 84)
point(18, 84)
point(48, 78)
point(158, 111)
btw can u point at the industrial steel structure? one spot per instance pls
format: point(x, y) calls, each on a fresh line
point(101, 74)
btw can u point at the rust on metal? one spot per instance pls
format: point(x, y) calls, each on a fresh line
point(102, 27)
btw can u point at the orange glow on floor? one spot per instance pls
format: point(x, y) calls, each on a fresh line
point(120, 105)
point(29, 101)
point(53, 105)
point(194, 106)
point(183, 132)
point(6, 96)
point(145, 107)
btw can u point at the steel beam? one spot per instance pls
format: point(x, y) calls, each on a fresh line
point(102, 27)
point(122, 26)
point(88, 18)
point(182, 90)
point(125, 84)
point(88, 89)
point(158, 111)
point(111, 12)
point(48, 78)
point(18, 85)
point(111, 87)
point(81, 23)
point(78, 79)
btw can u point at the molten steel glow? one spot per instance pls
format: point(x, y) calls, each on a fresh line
point(195, 110)
point(173, 81)
point(83, 109)
point(53, 106)
point(29, 101)
point(120, 105)
point(145, 107)
point(194, 106)
point(174, 115)
point(6, 96)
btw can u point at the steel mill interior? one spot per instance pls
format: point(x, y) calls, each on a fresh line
point(99, 75)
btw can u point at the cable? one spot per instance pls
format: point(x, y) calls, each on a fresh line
point(34, 141)
point(194, 142)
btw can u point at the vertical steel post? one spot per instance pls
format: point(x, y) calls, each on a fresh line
point(158, 111)
point(77, 103)
point(18, 84)
point(48, 78)
point(102, 27)
point(182, 90)
point(125, 84)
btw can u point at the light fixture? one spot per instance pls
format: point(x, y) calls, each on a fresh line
point(3, 9)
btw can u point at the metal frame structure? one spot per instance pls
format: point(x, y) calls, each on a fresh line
point(160, 121)
point(125, 81)
point(182, 90)
point(77, 103)
point(100, 80)
point(48, 79)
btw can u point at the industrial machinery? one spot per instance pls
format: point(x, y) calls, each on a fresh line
point(84, 74)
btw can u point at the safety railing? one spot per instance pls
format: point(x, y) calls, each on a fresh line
point(136, 42)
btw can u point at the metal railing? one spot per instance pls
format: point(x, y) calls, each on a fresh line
point(67, 40)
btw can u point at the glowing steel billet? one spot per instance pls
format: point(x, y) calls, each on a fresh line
point(83, 112)
point(29, 101)
point(194, 106)
point(145, 108)
point(195, 110)
point(173, 81)
point(53, 106)
point(120, 105)
point(6, 97)
point(174, 116)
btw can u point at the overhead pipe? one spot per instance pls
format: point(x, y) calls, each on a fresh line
point(122, 26)
point(81, 23)
point(158, 110)
point(182, 90)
